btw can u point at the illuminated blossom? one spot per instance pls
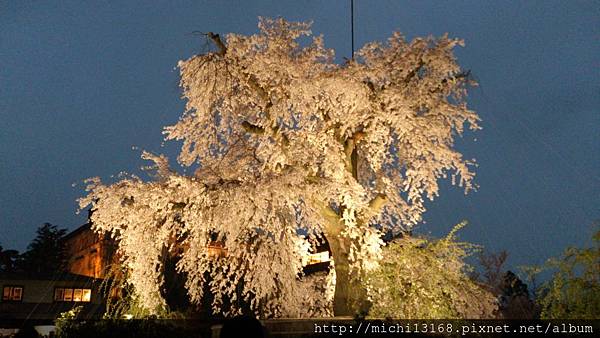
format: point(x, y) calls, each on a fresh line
point(285, 145)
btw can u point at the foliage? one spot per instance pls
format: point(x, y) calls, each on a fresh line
point(70, 325)
point(493, 269)
point(515, 301)
point(121, 300)
point(317, 301)
point(284, 142)
point(146, 328)
point(46, 253)
point(67, 321)
point(573, 292)
point(427, 279)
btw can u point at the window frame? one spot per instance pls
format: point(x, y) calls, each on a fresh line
point(11, 288)
point(64, 290)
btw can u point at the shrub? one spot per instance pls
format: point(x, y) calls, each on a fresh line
point(573, 292)
point(427, 279)
point(135, 328)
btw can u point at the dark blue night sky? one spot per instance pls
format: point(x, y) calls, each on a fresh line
point(81, 82)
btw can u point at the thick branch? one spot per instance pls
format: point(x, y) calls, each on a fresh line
point(261, 91)
point(414, 71)
point(375, 207)
point(253, 82)
point(349, 149)
point(351, 152)
point(252, 129)
point(217, 40)
point(377, 203)
point(333, 226)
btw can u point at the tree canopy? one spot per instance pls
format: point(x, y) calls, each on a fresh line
point(45, 254)
point(286, 147)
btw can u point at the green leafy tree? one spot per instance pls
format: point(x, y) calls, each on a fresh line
point(428, 279)
point(46, 253)
point(513, 295)
point(573, 292)
point(9, 260)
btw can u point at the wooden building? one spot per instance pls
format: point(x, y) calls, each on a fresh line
point(41, 299)
point(89, 254)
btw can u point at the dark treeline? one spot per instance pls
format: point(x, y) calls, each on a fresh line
point(45, 254)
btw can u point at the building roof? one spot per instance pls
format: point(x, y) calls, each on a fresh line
point(82, 228)
point(58, 276)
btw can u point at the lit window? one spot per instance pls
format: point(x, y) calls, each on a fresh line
point(68, 295)
point(72, 295)
point(216, 249)
point(77, 295)
point(14, 293)
point(318, 257)
point(59, 294)
point(87, 295)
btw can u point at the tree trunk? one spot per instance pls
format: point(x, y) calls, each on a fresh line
point(349, 298)
point(341, 304)
point(350, 295)
point(339, 247)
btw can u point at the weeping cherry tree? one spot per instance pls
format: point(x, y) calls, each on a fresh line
point(288, 148)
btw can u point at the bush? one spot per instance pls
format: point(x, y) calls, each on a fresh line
point(427, 279)
point(573, 292)
point(136, 328)
point(69, 326)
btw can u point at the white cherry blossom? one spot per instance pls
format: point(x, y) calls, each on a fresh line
point(288, 146)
